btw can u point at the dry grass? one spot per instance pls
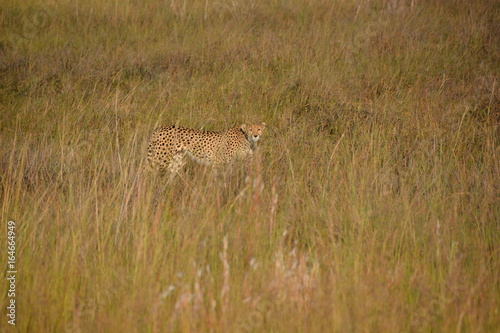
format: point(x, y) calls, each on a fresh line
point(375, 205)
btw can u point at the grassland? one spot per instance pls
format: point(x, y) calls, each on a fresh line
point(373, 205)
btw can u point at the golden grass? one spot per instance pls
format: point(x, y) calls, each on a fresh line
point(374, 207)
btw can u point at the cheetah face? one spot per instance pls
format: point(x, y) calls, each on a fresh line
point(253, 132)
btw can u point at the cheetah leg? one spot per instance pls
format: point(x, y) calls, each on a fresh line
point(176, 165)
point(214, 171)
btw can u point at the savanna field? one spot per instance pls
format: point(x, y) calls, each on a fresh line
point(372, 203)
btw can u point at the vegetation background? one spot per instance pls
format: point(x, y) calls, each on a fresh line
point(372, 206)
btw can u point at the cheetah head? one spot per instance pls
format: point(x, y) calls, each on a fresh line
point(253, 132)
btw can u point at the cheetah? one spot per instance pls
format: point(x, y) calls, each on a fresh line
point(169, 145)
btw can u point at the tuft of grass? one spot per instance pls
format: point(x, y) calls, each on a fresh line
point(372, 204)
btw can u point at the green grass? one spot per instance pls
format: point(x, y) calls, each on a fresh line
point(374, 206)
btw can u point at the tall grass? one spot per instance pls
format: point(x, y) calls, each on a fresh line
point(372, 205)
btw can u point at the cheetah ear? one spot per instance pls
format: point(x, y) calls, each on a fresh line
point(243, 127)
point(263, 125)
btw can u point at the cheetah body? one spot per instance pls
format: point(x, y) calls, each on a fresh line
point(169, 145)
